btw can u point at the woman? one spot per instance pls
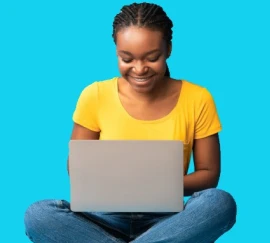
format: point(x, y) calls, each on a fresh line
point(145, 103)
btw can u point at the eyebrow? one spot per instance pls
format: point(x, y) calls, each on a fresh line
point(147, 53)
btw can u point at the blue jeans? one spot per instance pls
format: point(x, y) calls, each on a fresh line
point(206, 216)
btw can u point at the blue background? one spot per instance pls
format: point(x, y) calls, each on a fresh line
point(50, 50)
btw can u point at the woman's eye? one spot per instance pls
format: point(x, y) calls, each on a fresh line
point(127, 60)
point(153, 59)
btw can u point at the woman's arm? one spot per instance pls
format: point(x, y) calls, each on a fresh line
point(206, 154)
point(81, 133)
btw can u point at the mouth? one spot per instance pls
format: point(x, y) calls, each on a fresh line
point(141, 79)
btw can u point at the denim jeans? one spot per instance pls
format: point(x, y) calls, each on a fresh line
point(206, 216)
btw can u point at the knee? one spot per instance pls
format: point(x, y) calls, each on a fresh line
point(222, 202)
point(38, 216)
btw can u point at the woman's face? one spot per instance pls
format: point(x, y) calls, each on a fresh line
point(142, 55)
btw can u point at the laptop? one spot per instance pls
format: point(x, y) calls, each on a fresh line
point(126, 176)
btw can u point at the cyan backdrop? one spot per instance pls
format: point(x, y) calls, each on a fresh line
point(50, 50)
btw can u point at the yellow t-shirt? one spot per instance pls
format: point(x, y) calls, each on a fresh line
point(99, 109)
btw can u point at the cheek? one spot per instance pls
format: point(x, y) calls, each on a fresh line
point(123, 67)
point(158, 67)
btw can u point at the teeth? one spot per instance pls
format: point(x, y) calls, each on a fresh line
point(140, 79)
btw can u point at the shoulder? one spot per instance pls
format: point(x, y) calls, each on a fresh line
point(100, 84)
point(106, 84)
point(100, 87)
point(192, 88)
point(194, 91)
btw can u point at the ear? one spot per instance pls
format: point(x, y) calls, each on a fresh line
point(169, 50)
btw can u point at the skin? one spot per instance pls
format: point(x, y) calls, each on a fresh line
point(143, 53)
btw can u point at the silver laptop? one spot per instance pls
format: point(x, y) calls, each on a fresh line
point(126, 176)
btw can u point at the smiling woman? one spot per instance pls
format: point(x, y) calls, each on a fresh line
point(142, 55)
point(145, 103)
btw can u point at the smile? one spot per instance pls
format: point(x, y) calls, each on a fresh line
point(141, 79)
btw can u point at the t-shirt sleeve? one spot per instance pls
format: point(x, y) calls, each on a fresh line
point(207, 120)
point(86, 111)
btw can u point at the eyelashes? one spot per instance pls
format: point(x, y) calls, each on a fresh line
point(148, 60)
point(153, 59)
point(126, 61)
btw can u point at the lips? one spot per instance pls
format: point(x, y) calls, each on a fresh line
point(141, 79)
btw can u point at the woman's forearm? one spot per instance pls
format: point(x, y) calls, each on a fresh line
point(199, 180)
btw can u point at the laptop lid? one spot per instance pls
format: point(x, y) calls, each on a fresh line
point(126, 176)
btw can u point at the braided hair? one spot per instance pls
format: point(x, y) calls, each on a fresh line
point(146, 15)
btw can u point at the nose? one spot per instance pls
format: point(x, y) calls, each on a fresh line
point(140, 68)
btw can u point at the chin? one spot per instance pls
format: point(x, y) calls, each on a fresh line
point(145, 90)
